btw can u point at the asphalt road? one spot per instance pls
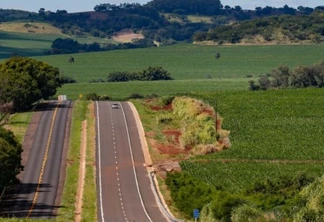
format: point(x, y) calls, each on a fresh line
point(124, 188)
point(36, 196)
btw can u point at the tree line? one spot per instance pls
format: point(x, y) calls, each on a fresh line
point(293, 28)
point(283, 77)
point(152, 20)
point(152, 73)
point(68, 46)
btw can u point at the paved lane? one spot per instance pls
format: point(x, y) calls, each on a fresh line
point(124, 187)
point(36, 197)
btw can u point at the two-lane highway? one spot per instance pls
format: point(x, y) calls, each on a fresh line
point(124, 187)
point(36, 196)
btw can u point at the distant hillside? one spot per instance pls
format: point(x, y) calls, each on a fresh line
point(166, 22)
point(275, 29)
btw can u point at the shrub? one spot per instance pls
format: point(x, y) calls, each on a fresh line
point(67, 80)
point(166, 100)
point(188, 193)
point(135, 96)
point(92, 96)
point(224, 204)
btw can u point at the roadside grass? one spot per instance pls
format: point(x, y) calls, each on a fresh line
point(188, 61)
point(122, 90)
point(89, 208)
point(18, 124)
point(147, 116)
point(67, 211)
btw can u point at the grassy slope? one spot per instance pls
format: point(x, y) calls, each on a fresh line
point(16, 38)
point(25, 44)
point(81, 112)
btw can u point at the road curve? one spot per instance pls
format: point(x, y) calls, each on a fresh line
point(36, 196)
point(124, 188)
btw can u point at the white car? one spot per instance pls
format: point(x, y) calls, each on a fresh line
point(114, 106)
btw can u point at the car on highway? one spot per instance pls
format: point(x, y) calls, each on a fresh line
point(114, 106)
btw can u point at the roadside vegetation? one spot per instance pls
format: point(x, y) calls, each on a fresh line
point(82, 110)
point(269, 148)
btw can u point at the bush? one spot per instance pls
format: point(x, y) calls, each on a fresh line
point(67, 80)
point(92, 96)
point(223, 206)
point(188, 193)
point(135, 96)
point(154, 73)
point(166, 100)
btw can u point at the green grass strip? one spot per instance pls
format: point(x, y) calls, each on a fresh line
point(67, 210)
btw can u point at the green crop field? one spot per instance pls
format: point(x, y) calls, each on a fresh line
point(35, 44)
point(273, 133)
point(187, 61)
point(122, 90)
point(25, 44)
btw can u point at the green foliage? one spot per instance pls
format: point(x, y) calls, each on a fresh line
point(10, 158)
point(24, 81)
point(92, 96)
point(277, 196)
point(300, 77)
point(188, 193)
point(135, 96)
point(122, 76)
point(69, 45)
point(245, 212)
point(67, 80)
point(313, 195)
point(154, 73)
point(149, 74)
point(274, 135)
point(223, 205)
point(166, 100)
point(192, 115)
point(282, 28)
point(202, 7)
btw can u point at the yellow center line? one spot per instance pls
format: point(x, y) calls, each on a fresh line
point(44, 163)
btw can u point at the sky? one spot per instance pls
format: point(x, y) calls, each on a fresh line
point(88, 5)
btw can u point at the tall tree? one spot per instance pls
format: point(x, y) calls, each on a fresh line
point(24, 81)
point(10, 158)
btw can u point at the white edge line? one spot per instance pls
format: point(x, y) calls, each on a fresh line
point(135, 175)
point(99, 165)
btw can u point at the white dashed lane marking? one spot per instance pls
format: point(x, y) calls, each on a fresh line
point(117, 172)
